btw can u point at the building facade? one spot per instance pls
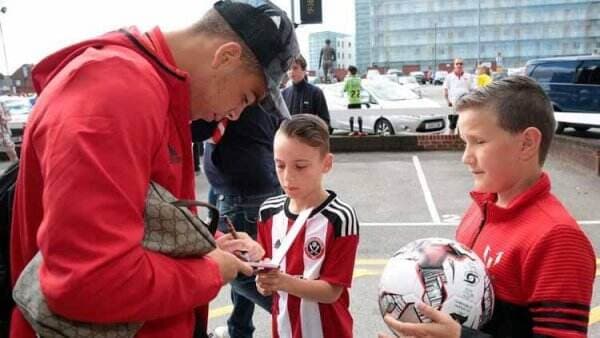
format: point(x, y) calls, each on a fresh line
point(345, 49)
point(430, 33)
point(316, 41)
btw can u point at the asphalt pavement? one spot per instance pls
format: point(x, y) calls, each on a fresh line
point(400, 197)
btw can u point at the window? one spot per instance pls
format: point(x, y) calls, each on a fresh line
point(556, 72)
point(589, 73)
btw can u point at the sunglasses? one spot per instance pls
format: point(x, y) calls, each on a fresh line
point(459, 64)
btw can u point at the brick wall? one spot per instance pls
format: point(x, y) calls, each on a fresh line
point(396, 143)
point(440, 142)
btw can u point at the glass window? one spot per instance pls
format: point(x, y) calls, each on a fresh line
point(589, 73)
point(557, 72)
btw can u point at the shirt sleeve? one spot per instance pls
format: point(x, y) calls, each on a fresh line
point(559, 276)
point(338, 266)
point(96, 164)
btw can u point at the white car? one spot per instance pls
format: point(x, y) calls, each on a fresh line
point(388, 109)
point(19, 109)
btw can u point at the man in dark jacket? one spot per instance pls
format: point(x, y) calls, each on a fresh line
point(238, 162)
point(302, 97)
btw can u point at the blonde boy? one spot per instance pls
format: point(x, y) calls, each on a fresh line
point(541, 263)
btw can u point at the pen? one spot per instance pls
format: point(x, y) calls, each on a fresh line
point(242, 254)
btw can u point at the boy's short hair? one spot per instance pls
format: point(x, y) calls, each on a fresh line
point(352, 70)
point(519, 103)
point(308, 129)
point(300, 61)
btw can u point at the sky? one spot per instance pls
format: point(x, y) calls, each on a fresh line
point(33, 29)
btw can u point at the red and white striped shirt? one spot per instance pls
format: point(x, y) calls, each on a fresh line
point(325, 249)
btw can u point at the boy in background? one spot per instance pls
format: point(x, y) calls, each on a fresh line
point(310, 287)
point(541, 263)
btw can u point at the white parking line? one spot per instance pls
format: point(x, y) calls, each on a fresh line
point(435, 216)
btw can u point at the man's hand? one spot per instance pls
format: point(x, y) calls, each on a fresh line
point(243, 243)
point(442, 325)
point(229, 265)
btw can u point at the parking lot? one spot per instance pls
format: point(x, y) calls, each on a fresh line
point(400, 197)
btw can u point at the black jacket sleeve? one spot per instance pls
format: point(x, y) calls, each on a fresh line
point(321, 106)
point(202, 130)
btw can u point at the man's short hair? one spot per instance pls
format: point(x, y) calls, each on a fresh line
point(518, 103)
point(353, 70)
point(309, 129)
point(214, 25)
point(300, 61)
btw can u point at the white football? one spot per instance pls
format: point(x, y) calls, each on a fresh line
point(439, 272)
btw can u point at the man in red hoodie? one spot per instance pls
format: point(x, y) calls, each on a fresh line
point(113, 114)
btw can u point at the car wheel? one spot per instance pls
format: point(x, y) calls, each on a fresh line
point(560, 127)
point(383, 127)
point(581, 128)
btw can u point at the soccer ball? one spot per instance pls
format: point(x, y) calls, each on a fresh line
point(441, 273)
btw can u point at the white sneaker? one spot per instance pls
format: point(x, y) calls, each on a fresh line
point(221, 332)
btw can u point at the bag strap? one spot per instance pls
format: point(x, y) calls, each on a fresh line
point(287, 241)
point(213, 212)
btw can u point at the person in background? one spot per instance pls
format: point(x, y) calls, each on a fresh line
point(457, 83)
point(302, 97)
point(6, 144)
point(484, 77)
point(113, 114)
point(240, 169)
point(352, 88)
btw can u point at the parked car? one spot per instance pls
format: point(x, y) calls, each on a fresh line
point(419, 76)
point(19, 109)
point(410, 83)
point(440, 77)
point(389, 108)
point(573, 85)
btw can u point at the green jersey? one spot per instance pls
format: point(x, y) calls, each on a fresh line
point(352, 87)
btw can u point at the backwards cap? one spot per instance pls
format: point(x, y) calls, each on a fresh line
point(269, 34)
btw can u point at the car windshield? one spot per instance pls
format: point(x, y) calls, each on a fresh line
point(18, 106)
point(389, 91)
point(407, 79)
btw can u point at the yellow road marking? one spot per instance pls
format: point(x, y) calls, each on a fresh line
point(220, 311)
point(594, 315)
point(365, 272)
point(370, 261)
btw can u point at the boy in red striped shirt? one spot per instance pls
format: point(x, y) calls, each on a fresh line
point(310, 287)
point(541, 263)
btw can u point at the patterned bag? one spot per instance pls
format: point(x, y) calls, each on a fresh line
point(170, 228)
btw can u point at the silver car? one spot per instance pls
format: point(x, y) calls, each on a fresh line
point(388, 109)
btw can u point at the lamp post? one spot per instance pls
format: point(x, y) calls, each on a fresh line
point(3, 11)
point(435, 47)
point(478, 32)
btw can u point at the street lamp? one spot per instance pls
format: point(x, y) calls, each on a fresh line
point(478, 32)
point(3, 11)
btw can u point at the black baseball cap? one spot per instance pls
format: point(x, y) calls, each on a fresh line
point(269, 33)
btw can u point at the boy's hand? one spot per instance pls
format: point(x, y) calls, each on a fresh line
point(244, 243)
point(271, 280)
point(262, 291)
point(229, 265)
point(442, 325)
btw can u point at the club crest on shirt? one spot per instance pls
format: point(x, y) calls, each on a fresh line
point(314, 248)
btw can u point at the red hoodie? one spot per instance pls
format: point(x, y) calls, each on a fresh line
point(112, 114)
